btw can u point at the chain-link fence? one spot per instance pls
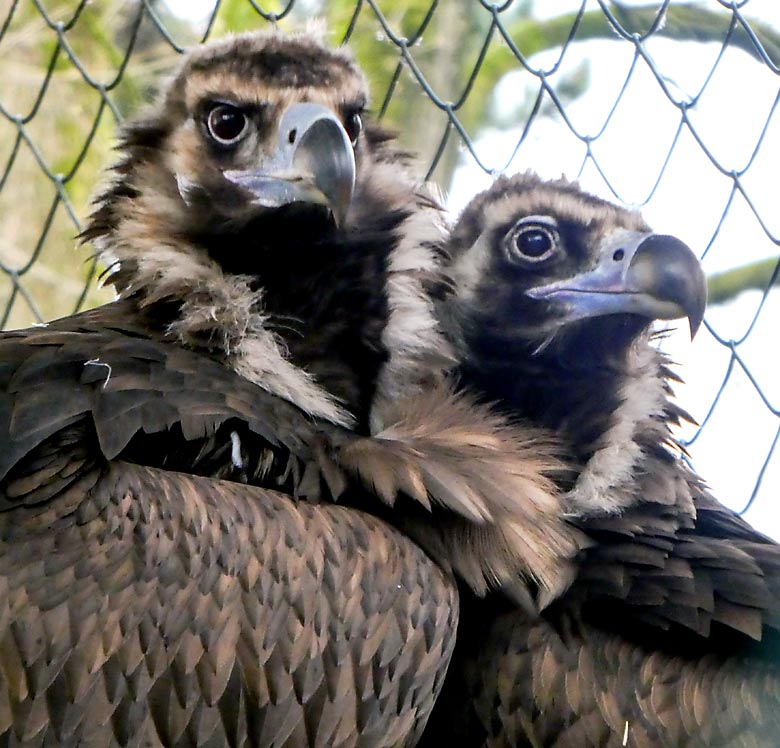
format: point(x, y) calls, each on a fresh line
point(671, 107)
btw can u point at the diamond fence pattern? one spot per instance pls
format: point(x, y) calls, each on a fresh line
point(670, 107)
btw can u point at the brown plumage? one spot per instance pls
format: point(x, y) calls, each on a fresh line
point(162, 580)
point(669, 634)
point(157, 608)
point(232, 250)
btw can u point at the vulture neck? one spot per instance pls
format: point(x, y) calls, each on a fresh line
point(235, 318)
point(608, 403)
point(334, 321)
point(322, 294)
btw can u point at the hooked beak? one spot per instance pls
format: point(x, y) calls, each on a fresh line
point(653, 275)
point(313, 163)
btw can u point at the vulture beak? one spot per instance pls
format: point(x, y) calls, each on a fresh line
point(313, 163)
point(653, 275)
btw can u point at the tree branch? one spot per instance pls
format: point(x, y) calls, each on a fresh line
point(760, 275)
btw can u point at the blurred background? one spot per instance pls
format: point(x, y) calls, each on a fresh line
point(671, 108)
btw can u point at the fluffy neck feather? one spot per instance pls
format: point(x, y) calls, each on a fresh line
point(478, 492)
point(323, 320)
point(419, 354)
point(606, 407)
point(641, 408)
point(143, 239)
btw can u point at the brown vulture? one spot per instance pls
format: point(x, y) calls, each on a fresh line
point(668, 633)
point(174, 570)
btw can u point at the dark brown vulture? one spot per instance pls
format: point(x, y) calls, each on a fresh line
point(668, 634)
point(173, 570)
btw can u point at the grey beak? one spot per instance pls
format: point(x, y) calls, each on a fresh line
point(313, 162)
point(654, 275)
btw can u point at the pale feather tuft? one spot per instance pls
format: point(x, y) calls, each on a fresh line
point(444, 449)
point(643, 405)
point(419, 352)
point(218, 310)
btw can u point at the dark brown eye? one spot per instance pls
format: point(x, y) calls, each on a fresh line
point(353, 124)
point(226, 124)
point(532, 240)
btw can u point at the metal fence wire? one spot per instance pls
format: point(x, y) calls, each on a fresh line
point(670, 107)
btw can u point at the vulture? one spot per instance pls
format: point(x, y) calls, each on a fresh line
point(234, 502)
point(668, 633)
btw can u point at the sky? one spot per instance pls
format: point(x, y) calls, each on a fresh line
point(689, 201)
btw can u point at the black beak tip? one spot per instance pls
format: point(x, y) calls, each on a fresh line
point(696, 303)
point(675, 275)
point(695, 320)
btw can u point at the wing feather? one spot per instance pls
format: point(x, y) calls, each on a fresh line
point(173, 605)
point(563, 682)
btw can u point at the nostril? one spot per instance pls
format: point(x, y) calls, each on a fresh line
point(619, 255)
point(293, 134)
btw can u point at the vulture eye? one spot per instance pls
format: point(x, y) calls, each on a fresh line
point(532, 240)
point(226, 124)
point(353, 124)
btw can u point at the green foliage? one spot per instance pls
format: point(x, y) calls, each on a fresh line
point(444, 41)
point(758, 275)
point(239, 15)
point(71, 131)
point(66, 135)
point(55, 140)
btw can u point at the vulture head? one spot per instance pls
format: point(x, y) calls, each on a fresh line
point(253, 217)
point(556, 292)
point(543, 264)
